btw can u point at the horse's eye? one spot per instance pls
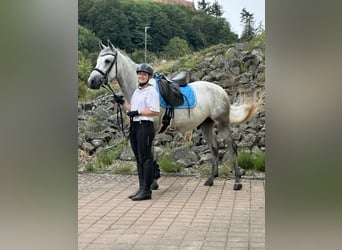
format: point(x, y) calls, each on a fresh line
point(107, 61)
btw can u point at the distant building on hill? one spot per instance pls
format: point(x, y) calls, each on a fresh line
point(181, 2)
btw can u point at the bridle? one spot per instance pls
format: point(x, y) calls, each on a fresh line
point(105, 84)
point(104, 81)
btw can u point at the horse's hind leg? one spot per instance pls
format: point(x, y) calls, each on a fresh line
point(207, 128)
point(233, 150)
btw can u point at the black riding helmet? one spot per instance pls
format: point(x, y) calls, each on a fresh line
point(145, 67)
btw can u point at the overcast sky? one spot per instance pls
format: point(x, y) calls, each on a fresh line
point(233, 8)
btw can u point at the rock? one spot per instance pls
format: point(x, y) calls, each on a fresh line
point(236, 68)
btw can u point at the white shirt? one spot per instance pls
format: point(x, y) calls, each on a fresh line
point(145, 99)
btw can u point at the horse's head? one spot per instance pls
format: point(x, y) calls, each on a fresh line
point(105, 69)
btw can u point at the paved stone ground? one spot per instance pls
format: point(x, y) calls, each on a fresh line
point(182, 214)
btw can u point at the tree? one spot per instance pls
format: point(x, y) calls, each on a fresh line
point(216, 10)
point(176, 48)
point(123, 22)
point(203, 6)
point(247, 19)
point(87, 41)
point(84, 67)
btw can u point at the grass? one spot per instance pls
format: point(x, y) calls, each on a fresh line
point(103, 159)
point(204, 171)
point(167, 165)
point(251, 161)
point(223, 171)
point(90, 166)
point(106, 157)
point(124, 169)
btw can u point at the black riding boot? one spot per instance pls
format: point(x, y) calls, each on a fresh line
point(141, 177)
point(154, 185)
point(145, 193)
point(156, 174)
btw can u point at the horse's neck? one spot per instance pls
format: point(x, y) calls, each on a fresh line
point(126, 76)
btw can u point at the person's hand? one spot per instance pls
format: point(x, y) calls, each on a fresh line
point(133, 113)
point(119, 99)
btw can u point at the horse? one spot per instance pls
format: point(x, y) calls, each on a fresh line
point(213, 106)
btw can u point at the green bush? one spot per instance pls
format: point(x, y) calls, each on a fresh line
point(84, 67)
point(259, 161)
point(250, 161)
point(107, 156)
point(103, 159)
point(167, 165)
point(177, 47)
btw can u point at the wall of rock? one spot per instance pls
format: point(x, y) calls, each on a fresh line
point(239, 69)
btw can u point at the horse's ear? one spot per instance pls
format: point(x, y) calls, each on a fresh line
point(101, 45)
point(111, 46)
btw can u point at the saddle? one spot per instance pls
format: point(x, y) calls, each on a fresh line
point(169, 89)
point(171, 93)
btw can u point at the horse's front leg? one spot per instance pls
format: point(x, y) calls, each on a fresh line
point(215, 159)
point(207, 128)
point(214, 173)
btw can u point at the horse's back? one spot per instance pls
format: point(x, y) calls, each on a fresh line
point(208, 90)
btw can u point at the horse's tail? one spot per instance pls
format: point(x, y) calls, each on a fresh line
point(246, 108)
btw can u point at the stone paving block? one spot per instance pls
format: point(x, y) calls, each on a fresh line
point(182, 214)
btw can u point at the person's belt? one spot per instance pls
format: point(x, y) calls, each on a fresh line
point(142, 121)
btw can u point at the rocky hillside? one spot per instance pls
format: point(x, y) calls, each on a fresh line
point(239, 69)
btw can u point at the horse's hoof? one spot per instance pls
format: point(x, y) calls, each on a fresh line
point(237, 186)
point(209, 182)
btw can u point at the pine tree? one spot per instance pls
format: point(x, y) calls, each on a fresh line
point(247, 19)
point(216, 9)
point(203, 6)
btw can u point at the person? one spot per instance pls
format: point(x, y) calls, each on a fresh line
point(144, 106)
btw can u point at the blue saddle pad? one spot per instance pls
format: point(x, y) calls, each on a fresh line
point(189, 98)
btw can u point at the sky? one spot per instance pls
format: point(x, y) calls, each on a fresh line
point(233, 8)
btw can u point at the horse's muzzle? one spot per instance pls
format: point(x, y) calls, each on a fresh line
point(96, 82)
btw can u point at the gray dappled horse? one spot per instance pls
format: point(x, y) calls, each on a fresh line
point(212, 108)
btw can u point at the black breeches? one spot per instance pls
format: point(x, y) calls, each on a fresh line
point(142, 135)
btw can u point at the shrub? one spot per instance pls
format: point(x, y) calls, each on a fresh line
point(250, 161)
point(177, 47)
point(84, 67)
point(260, 163)
point(107, 156)
point(167, 165)
point(103, 159)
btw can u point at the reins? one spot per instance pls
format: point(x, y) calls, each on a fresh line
point(106, 85)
